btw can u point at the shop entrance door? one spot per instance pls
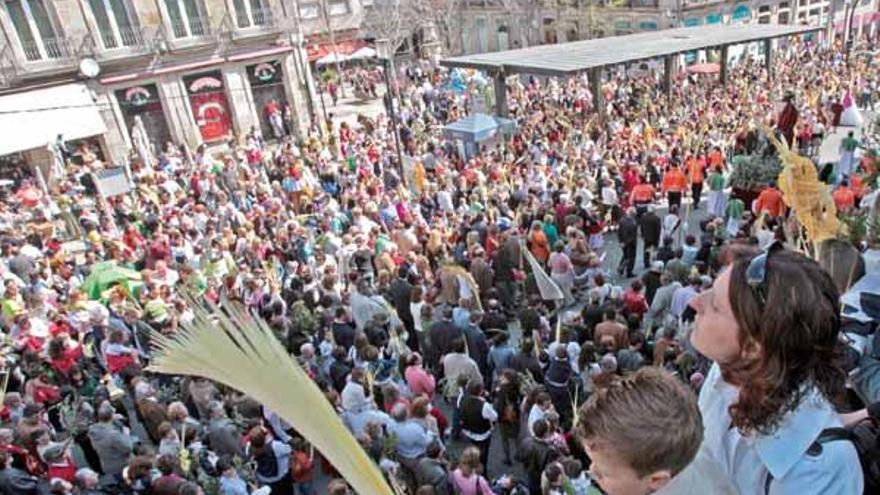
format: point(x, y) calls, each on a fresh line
point(210, 107)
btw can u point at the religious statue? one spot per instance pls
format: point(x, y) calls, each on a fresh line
point(787, 119)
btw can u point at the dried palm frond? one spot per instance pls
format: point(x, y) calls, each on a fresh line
point(228, 345)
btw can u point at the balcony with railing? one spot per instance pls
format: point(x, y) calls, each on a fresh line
point(259, 19)
point(48, 49)
point(129, 38)
point(190, 28)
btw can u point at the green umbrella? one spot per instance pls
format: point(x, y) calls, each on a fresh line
point(105, 275)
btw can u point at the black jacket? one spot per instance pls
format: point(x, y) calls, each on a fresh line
point(522, 363)
point(651, 226)
point(399, 294)
point(628, 230)
point(14, 481)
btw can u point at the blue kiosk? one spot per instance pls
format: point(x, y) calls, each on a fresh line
point(471, 131)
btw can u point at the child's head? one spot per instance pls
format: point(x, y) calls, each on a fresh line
point(300, 445)
point(555, 475)
point(640, 432)
point(573, 468)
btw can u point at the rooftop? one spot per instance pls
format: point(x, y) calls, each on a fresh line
point(578, 56)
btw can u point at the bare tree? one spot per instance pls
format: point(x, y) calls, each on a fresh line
point(446, 15)
point(324, 11)
point(529, 11)
point(393, 20)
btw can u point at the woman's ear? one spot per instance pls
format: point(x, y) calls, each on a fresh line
point(751, 351)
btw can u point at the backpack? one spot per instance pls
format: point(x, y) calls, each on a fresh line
point(865, 437)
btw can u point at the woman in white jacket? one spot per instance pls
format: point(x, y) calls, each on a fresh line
point(771, 325)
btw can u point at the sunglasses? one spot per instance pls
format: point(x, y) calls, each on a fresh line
point(756, 273)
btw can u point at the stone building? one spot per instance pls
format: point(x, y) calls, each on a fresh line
point(491, 25)
point(193, 71)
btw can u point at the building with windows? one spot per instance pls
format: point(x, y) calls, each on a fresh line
point(491, 25)
point(193, 71)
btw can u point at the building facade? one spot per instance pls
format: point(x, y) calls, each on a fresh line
point(192, 71)
point(492, 25)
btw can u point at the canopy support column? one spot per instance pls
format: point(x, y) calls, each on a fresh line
point(724, 64)
point(768, 57)
point(501, 109)
point(595, 76)
point(667, 78)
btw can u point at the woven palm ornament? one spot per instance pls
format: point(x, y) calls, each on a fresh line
point(804, 193)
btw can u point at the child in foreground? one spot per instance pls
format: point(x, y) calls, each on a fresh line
point(643, 434)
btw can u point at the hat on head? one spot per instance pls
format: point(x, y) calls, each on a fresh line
point(657, 267)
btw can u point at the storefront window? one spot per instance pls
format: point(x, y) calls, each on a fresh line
point(210, 108)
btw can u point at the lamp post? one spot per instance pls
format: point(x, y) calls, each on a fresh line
point(849, 13)
point(384, 53)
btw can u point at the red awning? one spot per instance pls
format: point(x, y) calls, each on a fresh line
point(348, 47)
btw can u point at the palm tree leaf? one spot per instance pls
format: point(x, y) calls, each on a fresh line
point(226, 344)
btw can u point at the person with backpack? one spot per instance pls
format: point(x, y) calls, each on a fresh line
point(767, 400)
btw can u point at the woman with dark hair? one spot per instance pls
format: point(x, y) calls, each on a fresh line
point(771, 323)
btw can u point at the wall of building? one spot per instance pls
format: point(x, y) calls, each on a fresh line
point(489, 27)
point(153, 53)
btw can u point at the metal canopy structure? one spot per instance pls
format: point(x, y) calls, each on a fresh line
point(591, 56)
point(579, 56)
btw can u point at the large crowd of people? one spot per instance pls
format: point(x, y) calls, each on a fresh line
point(416, 298)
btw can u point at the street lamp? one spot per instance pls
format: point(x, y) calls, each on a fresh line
point(384, 53)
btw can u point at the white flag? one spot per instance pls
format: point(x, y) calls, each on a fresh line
point(546, 286)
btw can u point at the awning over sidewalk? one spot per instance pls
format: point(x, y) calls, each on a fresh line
point(33, 119)
point(343, 49)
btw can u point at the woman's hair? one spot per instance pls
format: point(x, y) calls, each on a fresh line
point(796, 333)
point(470, 461)
point(419, 407)
point(139, 467)
point(177, 411)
